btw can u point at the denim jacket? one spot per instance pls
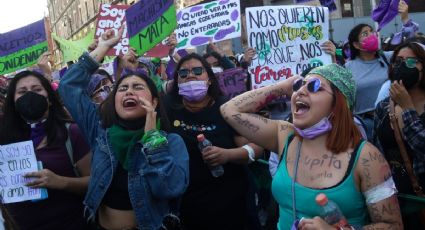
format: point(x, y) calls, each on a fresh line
point(154, 176)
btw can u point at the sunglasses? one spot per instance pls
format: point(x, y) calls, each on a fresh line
point(313, 85)
point(197, 71)
point(410, 62)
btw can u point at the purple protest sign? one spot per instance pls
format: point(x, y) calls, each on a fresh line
point(144, 13)
point(22, 38)
point(302, 1)
point(232, 82)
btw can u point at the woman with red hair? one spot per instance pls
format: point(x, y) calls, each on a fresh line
point(321, 152)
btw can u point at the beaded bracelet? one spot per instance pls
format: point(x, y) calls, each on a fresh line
point(153, 139)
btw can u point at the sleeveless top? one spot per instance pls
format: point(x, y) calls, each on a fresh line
point(350, 201)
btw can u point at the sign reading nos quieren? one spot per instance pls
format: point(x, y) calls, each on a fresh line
point(287, 40)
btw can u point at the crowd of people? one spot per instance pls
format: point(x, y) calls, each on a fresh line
point(121, 150)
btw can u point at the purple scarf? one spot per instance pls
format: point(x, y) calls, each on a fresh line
point(38, 132)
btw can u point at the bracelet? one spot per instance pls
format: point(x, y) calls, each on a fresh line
point(153, 139)
point(251, 153)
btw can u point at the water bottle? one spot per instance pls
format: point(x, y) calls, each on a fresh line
point(202, 144)
point(330, 211)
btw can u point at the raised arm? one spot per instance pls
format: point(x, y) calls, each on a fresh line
point(375, 177)
point(239, 113)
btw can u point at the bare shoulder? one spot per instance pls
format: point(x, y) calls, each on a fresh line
point(284, 130)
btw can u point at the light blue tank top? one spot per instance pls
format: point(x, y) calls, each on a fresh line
point(350, 201)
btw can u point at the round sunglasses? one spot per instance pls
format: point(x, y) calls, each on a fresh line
point(410, 62)
point(197, 71)
point(313, 85)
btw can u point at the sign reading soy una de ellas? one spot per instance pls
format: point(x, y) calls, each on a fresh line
point(215, 21)
point(21, 48)
point(149, 22)
point(113, 17)
point(16, 160)
point(287, 40)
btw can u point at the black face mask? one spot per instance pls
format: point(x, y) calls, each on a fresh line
point(31, 106)
point(409, 76)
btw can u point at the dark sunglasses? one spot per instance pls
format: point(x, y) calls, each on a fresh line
point(410, 61)
point(197, 71)
point(313, 85)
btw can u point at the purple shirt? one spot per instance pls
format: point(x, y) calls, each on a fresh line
point(61, 210)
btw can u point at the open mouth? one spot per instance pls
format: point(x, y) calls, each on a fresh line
point(301, 107)
point(129, 103)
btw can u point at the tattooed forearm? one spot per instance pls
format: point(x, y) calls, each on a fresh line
point(245, 123)
point(258, 117)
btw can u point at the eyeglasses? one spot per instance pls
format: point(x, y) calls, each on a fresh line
point(104, 88)
point(313, 85)
point(197, 71)
point(410, 61)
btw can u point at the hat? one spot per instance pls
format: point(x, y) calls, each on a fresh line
point(148, 63)
point(341, 78)
point(94, 82)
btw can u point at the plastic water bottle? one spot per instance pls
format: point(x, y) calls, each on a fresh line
point(203, 143)
point(330, 211)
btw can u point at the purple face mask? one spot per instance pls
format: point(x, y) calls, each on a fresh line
point(193, 91)
point(323, 126)
point(371, 43)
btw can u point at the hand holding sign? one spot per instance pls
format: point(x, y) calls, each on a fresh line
point(45, 179)
point(43, 64)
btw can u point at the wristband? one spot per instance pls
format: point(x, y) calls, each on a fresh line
point(251, 153)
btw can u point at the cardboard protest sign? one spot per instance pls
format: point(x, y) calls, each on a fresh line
point(72, 50)
point(160, 50)
point(232, 82)
point(216, 21)
point(21, 48)
point(16, 160)
point(149, 22)
point(113, 17)
point(287, 40)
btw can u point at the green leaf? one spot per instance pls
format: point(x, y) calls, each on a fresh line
point(211, 32)
point(182, 43)
point(210, 5)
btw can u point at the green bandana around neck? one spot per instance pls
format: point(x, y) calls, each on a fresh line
point(123, 142)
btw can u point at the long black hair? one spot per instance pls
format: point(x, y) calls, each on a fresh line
point(108, 112)
point(353, 36)
point(13, 128)
point(213, 90)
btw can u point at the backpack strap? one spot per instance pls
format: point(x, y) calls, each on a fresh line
point(70, 151)
point(384, 58)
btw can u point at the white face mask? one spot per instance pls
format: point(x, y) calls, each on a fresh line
point(217, 70)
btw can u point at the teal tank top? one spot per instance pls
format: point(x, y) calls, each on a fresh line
point(345, 194)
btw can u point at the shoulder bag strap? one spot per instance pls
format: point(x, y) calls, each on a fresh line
point(403, 151)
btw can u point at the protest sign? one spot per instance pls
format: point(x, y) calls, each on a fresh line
point(287, 40)
point(326, 3)
point(16, 160)
point(21, 48)
point(216, 21)
point(149, 22)
point(113, 17)
point(232, 82)
point(72, 50)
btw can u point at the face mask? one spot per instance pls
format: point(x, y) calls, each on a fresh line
point(193, 91)
point(409, 76)
point(323, 126)
point(31, 106)
point(217, 70)
point(370, 44)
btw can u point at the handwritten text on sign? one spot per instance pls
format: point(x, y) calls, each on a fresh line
point(149, 22)
point(113, 17)
point(15, 161)
point(287, 40)
point(216, 21)
point(233, 82)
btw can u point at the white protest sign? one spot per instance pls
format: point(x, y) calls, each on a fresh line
point(16, 160)
point(216, 21)
point(113, 17)
point(287, 40)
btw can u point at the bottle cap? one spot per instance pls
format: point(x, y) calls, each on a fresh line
point(321, 199)
point(200, 137)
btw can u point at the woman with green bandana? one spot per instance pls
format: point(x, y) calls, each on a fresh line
point(138, 170)
point(321, 151)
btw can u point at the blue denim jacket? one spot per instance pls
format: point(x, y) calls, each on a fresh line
point(154, 176)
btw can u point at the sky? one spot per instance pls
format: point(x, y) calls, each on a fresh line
point(17, 13)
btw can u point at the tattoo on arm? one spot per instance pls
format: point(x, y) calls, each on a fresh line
point(246, 123)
